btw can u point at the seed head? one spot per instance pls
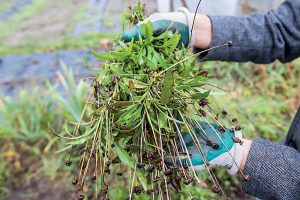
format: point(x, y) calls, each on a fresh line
point(224, 112)
point(229, 43)
point(137, 190)
point(69, 163)
point(203, 102)
point(247, 177)
point(234, 120)
point(215, 146)
point(74, 181)
point(140, 165)
point(81, 196)
point(222, 129)
point(188, 181)
point(151, 168)
point(216, 189)
point(119, 173)
point(236, 140)
point(168, 172)
point(93, 178)
point(202, 113)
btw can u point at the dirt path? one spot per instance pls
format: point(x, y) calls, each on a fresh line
point(24, 71)
point(50, 25)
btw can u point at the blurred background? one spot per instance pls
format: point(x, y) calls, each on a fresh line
point(43, 81)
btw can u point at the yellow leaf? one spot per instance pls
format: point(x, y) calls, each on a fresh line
point(10, 154)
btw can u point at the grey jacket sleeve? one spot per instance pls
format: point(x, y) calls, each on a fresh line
point(258, 38)
point(274, 170)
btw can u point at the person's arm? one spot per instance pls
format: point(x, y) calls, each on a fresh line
point(258, 38)
point(274, 170)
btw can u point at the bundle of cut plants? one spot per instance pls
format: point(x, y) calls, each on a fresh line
point(149, 95)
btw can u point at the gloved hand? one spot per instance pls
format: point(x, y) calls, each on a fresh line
point(225, 149)
point(180, 22)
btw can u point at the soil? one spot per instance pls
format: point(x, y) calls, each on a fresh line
point(48, 25)
point(40, 189)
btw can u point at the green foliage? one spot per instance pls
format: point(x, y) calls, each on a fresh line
point(264, 97)
point(24, 122)
point(89, 40)
point(135, 14)
point(142, 90)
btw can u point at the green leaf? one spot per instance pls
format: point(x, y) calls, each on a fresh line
point(149, 63)
point(163, 120)
point(110, 56)
point(200, 95)
point(159, 57)
point(125, 88)
point(147, 30)
point(167, 87)
point(127, 160)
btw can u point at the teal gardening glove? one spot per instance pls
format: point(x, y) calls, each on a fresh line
point(180, 22)
point(225, 149)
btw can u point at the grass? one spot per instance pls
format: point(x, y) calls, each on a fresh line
point(264, 97)
point(90, 41)
point(27, 148)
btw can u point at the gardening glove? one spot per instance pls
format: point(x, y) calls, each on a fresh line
point(226, 150)
point(180, 21)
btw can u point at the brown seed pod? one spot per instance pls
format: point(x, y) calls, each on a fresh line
point(216, 189)
point(224, 113)
point(247, 177)
point(137, 190)
point(69, 163)
point(217, 117)
point(79, 187)
point(208, 143)
point(148, 155)
point(222, 129)
point(155, 180)
point(119, 174)
point(104, 189)
point(168, 172)
point(166, 191)
point(93, 178)
point(74, 181)
point(203, 102)
point(176, 185)
point(188, 181)
point(151, 168)
point(236, 140)
point(174, 169)
point(203, 73)
point(202, 113)
point(152, 190)
point(81, 197)
point(215, 146)
point(168, 181)
point(140, 165)
point(229, 43)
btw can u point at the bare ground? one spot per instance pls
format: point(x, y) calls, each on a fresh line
point(49, 25)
